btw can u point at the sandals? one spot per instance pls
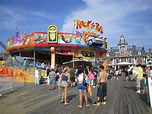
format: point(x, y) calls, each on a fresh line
point(62, 101)
point(79, 106)
point(66, 104)
point(87, 105)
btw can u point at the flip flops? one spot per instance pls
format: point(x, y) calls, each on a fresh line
point(62, 101)
point(87, 105)
point(79, 106)
point(66, 104)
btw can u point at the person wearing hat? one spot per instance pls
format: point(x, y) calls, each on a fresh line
point(52, 79)
point(138, 75)
point(133, 72)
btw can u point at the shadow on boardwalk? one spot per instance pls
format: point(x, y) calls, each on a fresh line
point(37, 99)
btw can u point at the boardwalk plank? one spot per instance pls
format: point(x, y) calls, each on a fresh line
point(32, 99)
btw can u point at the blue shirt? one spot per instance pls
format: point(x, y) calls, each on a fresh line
point(64, 78)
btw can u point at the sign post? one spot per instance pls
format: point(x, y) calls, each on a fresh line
point(150, 90)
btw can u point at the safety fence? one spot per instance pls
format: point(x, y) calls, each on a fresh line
point(9, 83)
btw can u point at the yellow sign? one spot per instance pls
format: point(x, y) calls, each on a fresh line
point(52, 34)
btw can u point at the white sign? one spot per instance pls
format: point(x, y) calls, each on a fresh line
point(150, 89)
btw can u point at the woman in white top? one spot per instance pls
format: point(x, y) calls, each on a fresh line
point(81, 87)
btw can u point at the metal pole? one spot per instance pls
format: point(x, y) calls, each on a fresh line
point(73, 59)
point(3, 57)
point(34, 58)
point(20, 64)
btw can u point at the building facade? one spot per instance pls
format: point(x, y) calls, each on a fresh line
point(125, 55)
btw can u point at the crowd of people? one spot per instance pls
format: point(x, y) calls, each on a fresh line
point(86, 77)
point(136, 73)
point(83, 77)
point(139, 74)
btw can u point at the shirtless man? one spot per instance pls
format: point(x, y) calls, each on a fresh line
point(102, 87)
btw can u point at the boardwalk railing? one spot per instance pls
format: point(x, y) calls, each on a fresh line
point(8, 83)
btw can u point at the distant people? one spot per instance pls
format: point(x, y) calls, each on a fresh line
point(72, 77)
point(117, 74)
point(146, 71)
point(59, 69)
point(65, 75)
point(120, 72)
point(86, 70)
point(24, 64)
point(113, 74)
point(81, 87)
point(126, 74)
point(42, 65)
point(57, 79)
point(150, 72)
point(52, 79)
point(36, 72)
point(102, 87)
point(133, 73)
point(144, 85)
point(96, 74)
point(48, 70)
point(139, 77)
point(47, 74)
point(91, 76)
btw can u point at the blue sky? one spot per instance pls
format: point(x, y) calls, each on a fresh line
point(131, 18)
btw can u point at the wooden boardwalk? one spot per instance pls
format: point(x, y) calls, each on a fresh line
point(37, 99)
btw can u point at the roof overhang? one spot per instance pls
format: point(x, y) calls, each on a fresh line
point(124, 63)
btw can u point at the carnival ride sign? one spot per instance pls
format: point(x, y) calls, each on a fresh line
point(89, 25)
point(92, 34)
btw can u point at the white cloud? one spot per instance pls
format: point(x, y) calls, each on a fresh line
point(16, 17)
point(116, 17)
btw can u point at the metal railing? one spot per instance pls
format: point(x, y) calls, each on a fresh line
point(9, 83)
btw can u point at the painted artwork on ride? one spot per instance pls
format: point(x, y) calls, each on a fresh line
point(84, 33)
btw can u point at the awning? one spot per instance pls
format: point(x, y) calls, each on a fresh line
point(77, 62)
point(124, 63)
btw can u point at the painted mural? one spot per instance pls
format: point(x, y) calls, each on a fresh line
point(92, 36)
